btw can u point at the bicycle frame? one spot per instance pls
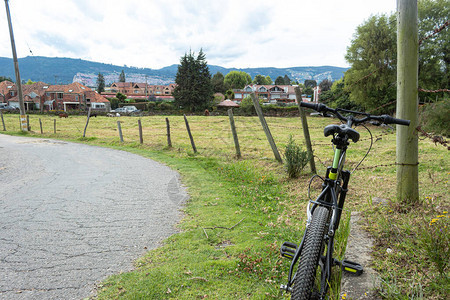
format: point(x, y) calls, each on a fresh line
point(334, 191)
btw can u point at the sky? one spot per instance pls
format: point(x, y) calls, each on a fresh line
point(157, 33)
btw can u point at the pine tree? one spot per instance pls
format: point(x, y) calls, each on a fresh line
point(122, 76)
point(194, 90)
point(100, 83)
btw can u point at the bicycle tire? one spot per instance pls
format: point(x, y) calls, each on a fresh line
point(309, 260)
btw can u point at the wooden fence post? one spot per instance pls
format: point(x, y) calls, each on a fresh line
point(141, 138)
point(3, 121)
point(190, 134)
point(266, 128)
point(28, 123)
point(169, 141)
point(120, 131)
point(54, 126)
point(40, 125)
point(235, 136)
point(87, 122)
point(298, 95)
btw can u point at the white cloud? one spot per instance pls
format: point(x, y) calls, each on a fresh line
point(157, 33)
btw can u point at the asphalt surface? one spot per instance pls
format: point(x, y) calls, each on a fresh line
point(72, 214)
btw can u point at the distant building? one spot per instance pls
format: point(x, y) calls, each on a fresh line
point(134, 90)
point(270, 93)
point(42, 96)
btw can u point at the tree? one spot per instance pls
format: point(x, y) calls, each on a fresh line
point(287, 80)
point(434, 53)
point(100, 83)
point(325, 85)
point(279, 80)
point(218, 83)
point(269, 80)
point(260, 80)
point(122, 76)
point(237, 79)
point(310, 83)
point(3, 78)
point(373, 52)
point(29, 82)
point(121, 97)
point(194, 89)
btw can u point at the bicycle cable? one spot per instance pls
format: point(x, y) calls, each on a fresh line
point(370, 148)
point(309, 185)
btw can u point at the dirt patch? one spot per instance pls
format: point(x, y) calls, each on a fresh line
point(359, 246)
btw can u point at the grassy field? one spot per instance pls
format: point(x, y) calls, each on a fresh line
point(240, 211)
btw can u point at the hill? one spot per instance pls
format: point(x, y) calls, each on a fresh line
point(67, 70)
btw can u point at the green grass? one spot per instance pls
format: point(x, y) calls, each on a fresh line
point(254, 195)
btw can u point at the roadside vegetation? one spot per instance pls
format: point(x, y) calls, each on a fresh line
point(240, 211)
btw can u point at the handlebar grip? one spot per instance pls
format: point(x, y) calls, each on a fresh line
point(390, 120)
point(316, 106)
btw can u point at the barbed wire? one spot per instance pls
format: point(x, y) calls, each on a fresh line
point(435, 31)
point(434, 91)
point(435, 138)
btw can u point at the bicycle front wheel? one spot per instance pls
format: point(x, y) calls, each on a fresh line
point(314, 245)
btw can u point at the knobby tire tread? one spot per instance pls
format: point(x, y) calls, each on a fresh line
point(309, 260)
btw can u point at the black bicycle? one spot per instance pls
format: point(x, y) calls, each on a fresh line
point(315, 252)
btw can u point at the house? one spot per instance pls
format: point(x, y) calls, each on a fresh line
point(42, 96)
point(7, 90)
point(135, 90)
point(270, 93)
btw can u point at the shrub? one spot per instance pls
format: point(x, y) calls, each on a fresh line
point(436, 117)
point(165, 106)
point(295, 158)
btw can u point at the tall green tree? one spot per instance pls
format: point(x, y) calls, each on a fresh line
point(287, 80)
point(260, 80)
point(122, 76)
point(269, 80)
point(237, 79)
point(194, 89)
point(310, 83)
point(373, 51)
point(325, 85)
point(100, 83)
point(279, 80)
point(218, 83)
point(434, 52)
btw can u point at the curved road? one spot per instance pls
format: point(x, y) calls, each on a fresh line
point(72, 214)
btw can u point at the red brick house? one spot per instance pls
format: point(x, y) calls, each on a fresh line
point(42, 96)
point(270, 93)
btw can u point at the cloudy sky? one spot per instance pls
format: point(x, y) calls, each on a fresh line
point(156, 33)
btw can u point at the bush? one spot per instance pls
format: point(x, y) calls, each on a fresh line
point(295, 158)
point(436, 117)
point(165, 106)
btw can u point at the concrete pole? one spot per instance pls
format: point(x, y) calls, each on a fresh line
point(407, 101)
point(23, 118)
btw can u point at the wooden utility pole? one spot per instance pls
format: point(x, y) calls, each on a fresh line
point(407, 101)
point(265, 127)
point(23, 118)
point(298, 95)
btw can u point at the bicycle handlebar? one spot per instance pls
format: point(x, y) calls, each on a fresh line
point(386, 119)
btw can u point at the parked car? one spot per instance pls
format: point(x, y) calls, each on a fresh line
point(5, 107)
point(120, 110)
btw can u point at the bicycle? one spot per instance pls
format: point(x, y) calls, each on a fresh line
point(315, 252)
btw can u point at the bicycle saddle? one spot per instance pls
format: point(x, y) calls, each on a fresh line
point(342, 129)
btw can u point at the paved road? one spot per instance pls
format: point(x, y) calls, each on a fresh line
point(72, 214)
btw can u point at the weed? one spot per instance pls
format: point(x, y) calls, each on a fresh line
point(295, 158)
point(435, 239)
